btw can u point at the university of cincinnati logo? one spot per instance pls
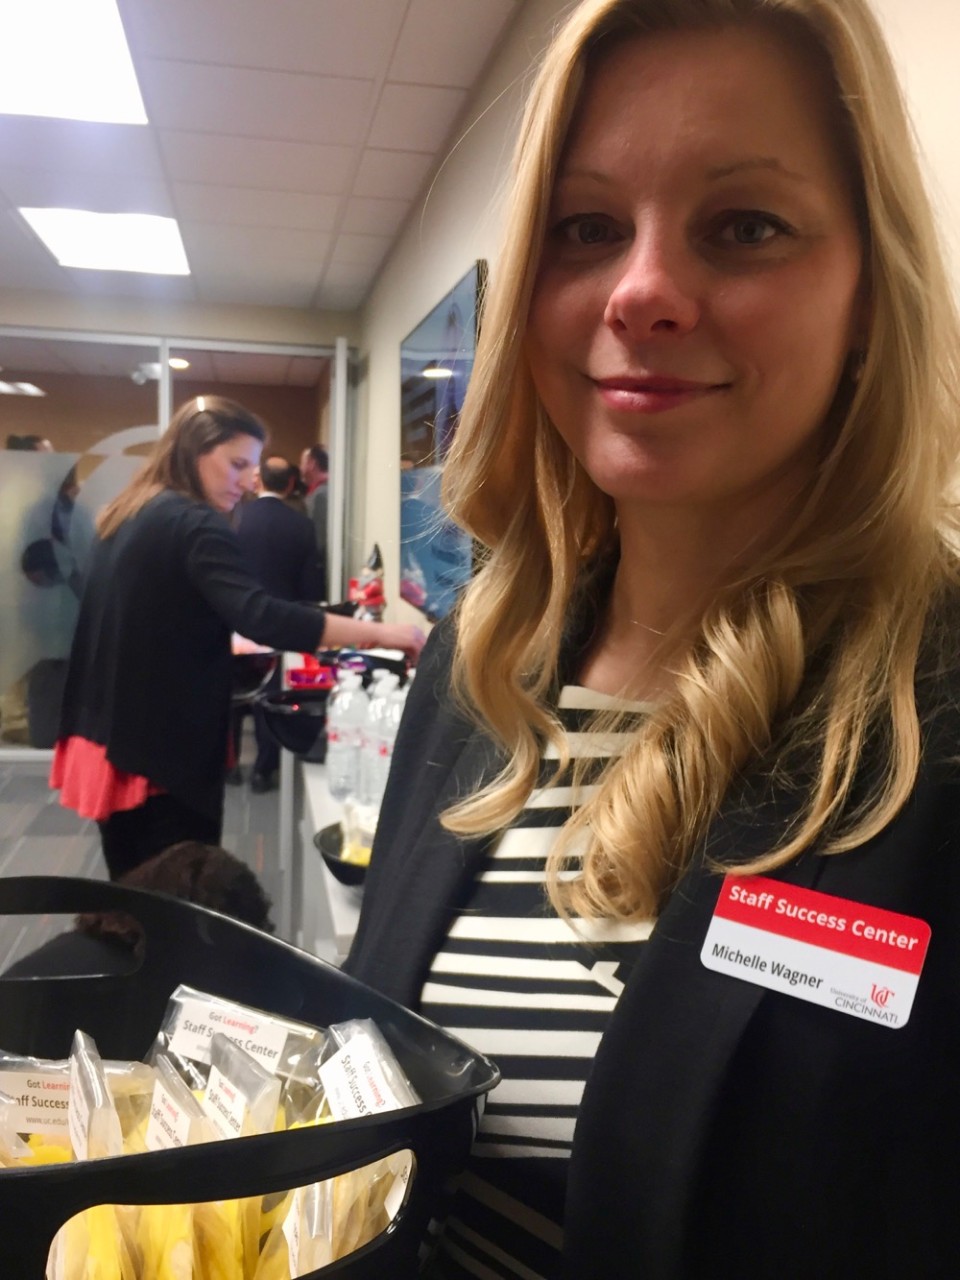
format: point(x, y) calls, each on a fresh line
point(881, 995)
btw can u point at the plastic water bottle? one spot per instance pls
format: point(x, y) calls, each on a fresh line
point(384, 684)
point(386, 736)
point(346, 716)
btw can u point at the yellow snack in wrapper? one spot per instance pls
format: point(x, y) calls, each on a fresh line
point(91, 1247)
point(217, 1241)
point(165, 1240)
point(44, 1150)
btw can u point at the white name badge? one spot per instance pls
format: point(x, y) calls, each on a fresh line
point(834, 952)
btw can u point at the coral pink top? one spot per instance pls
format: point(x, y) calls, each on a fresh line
point(91, 785)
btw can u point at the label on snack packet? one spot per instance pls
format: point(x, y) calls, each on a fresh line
point(41, 1101)
point(224, 1104)
point(395, 1196)
point(355, 1082)
point(168, 1126)
point(291, 1232)
point(198, 1020)
point(844, 955)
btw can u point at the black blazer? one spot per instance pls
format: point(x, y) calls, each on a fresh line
point(280, 549)
point(726, 1131)
point(150, 673)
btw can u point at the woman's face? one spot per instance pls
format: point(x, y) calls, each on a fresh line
point(227, 472)
point(698, 293)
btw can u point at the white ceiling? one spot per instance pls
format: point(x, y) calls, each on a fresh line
point(289, 138)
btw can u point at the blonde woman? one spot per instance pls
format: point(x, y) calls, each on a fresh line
point(672, 832)
point(143, 731)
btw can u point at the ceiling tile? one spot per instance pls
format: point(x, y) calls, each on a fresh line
point(76, 146)
point(217, 244)
point(255, 104)
point(414, 118)
point(127, 284)
point(352, 250)
point(98, 192)
point(373, 217)
point(321, 37)
point(400, 174)
point(431, 48)
point(269, 291)
point(246, 206)
point(253, 162)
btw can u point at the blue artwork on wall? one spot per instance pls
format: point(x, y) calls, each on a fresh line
point(436, 360)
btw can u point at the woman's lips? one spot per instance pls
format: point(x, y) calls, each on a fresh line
point(654, 394)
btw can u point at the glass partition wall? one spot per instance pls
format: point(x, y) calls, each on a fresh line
point(77, 415)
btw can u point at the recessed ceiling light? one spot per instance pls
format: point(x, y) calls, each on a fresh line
point(433, 370)
point(141, 242)
point(20, 389)
point(178, 362)
point(68, 59)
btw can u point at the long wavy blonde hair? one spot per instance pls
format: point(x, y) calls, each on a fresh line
point(811, 651)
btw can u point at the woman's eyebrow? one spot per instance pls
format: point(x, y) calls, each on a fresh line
point(755, 162)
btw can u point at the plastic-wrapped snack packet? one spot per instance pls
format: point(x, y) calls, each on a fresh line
point(41, 1090)
point(303, 1100)
point(97, 1241)
point(303, 1241)
point(241, 1098)
point(13, 1149)
point(165, 1232)
point(94, 1125)
point(362, 1076)
point(175, 1117)
point(131, 1086)
point(193, 1017)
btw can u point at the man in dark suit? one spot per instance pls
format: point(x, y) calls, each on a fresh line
point(281, 550)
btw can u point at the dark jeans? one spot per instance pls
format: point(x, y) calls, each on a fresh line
point(134, 835)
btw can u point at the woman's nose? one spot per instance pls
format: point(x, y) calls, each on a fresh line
point(653, 294)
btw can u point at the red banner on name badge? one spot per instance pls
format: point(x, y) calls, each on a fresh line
point(821, 920)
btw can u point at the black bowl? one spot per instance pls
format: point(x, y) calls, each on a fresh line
point(330, 843)
point(250, 673)
point(297, 718)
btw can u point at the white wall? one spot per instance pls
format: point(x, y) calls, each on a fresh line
point(455, 224)
point(458, 222)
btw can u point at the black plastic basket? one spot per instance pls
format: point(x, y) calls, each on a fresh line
point(186, 943)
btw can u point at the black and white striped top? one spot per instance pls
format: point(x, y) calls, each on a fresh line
point(518, 984)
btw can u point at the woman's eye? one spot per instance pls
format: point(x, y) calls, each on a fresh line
point(749, 228)
point(585, 229)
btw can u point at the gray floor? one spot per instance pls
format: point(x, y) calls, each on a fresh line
point(39, 837)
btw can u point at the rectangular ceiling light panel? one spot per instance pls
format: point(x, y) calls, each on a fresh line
point(141, 242)
point(68, 59)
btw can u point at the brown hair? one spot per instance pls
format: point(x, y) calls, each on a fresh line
point(195, 429)
point(201, 873)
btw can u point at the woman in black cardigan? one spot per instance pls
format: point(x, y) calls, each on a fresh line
point(144, 725)
point(672, 831)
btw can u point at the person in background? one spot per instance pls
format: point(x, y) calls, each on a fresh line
point(672, 831)
point(29, 444)
point(144, 723)
point(314, 472)
point(113, 942)
point(281, 552)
